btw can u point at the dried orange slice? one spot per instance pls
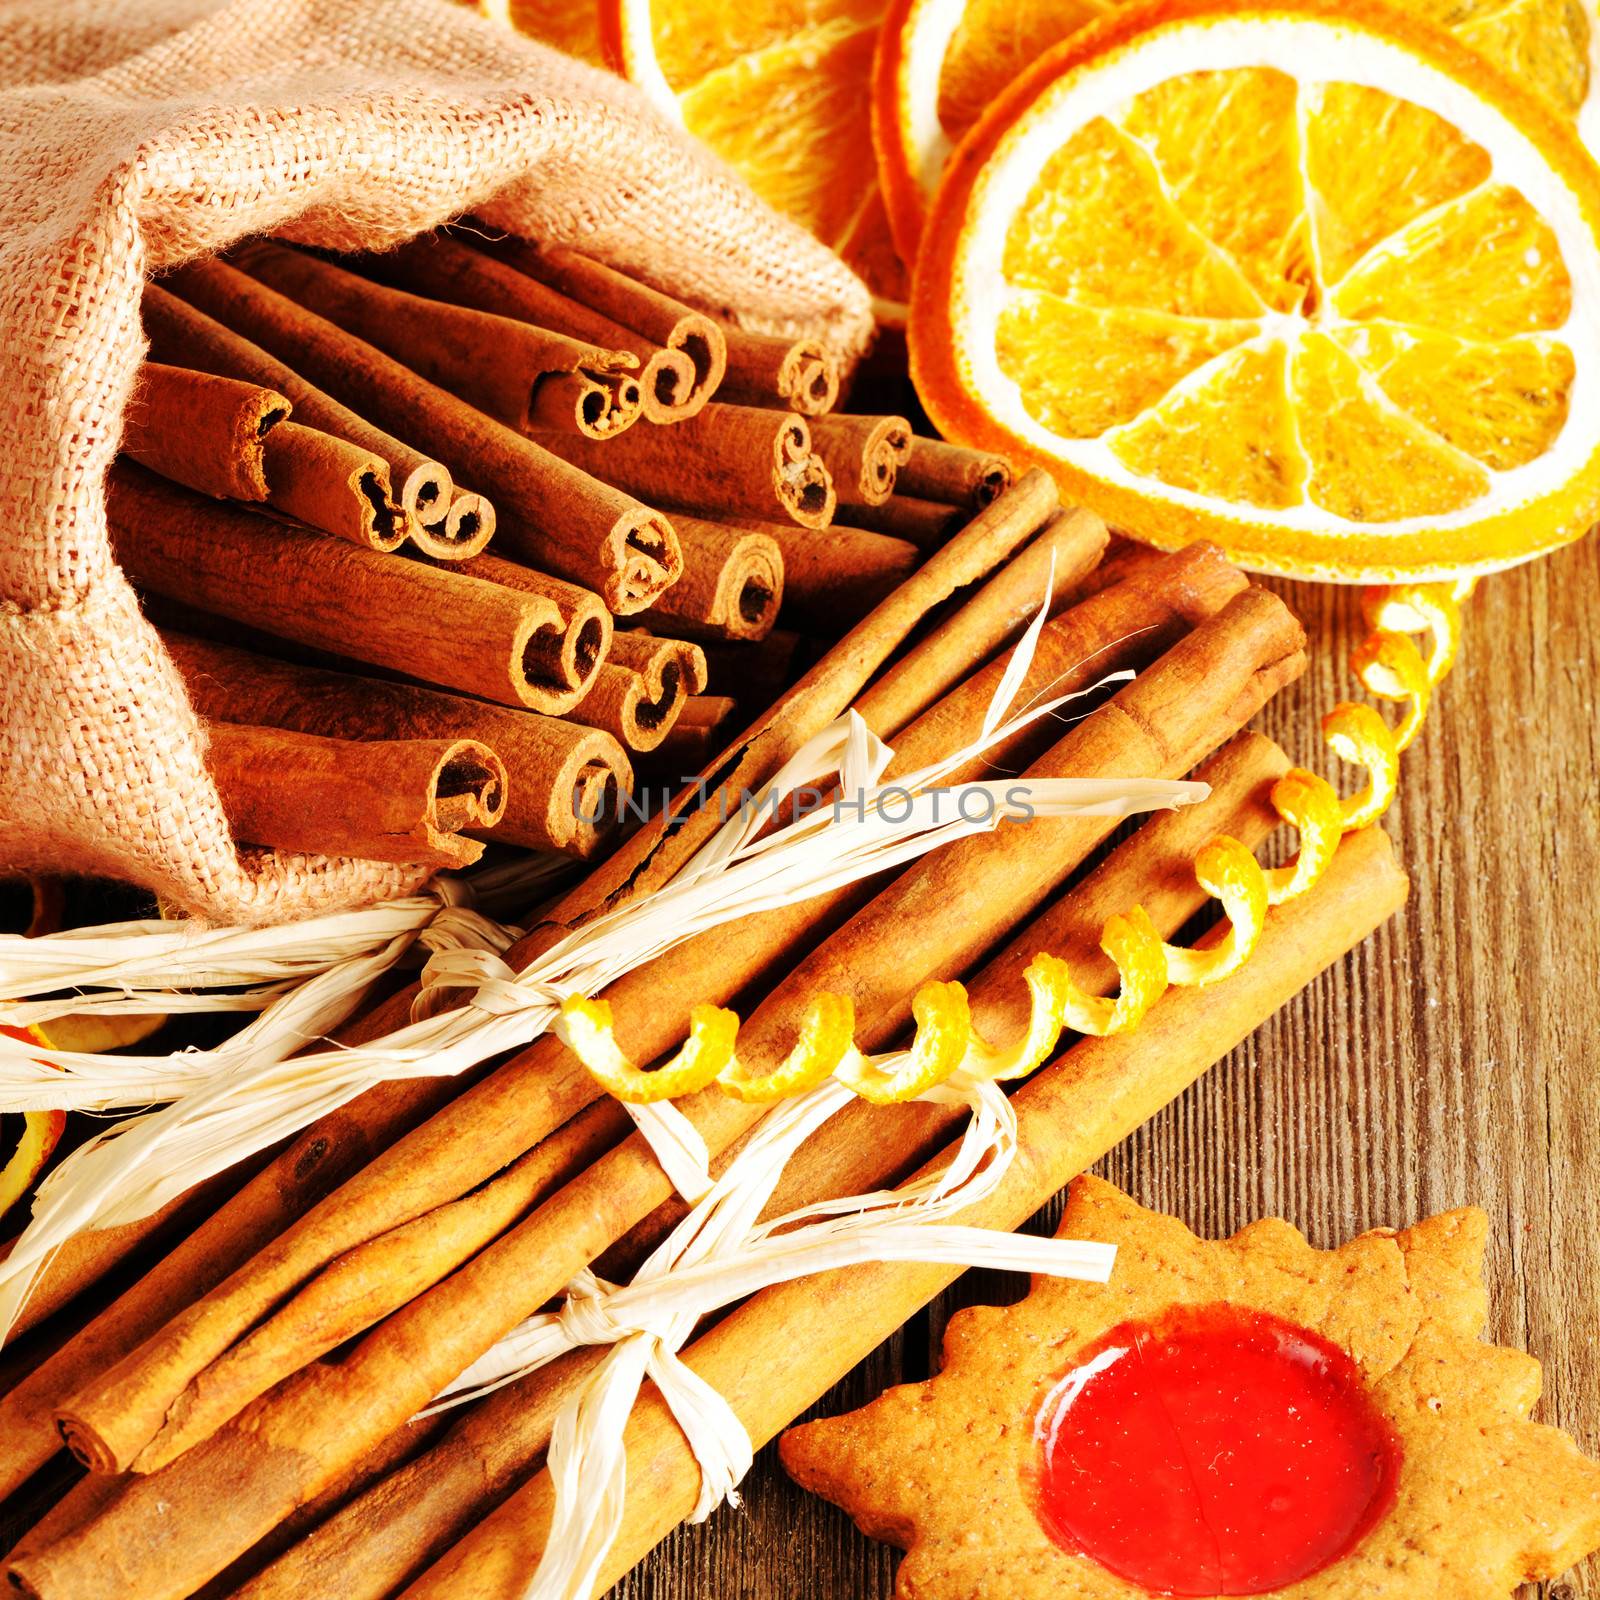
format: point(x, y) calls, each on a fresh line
point(779, 90)
point(1307, 278)
point(941, 62)
point(23, 1156)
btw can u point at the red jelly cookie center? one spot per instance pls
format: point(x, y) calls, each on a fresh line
point(1215, 1452)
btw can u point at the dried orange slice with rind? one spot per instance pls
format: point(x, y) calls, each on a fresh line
point(1329, 380)
point(941, 62)
point(781, 91)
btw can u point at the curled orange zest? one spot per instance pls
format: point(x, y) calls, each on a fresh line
point(1389, 663)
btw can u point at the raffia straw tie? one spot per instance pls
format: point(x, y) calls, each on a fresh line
point(721, 1253)
point(216, 1107)
point(498, 990)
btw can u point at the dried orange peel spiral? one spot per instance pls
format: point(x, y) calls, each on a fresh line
point(1390, 664)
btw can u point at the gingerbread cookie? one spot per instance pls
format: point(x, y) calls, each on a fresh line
point(1251, 1416)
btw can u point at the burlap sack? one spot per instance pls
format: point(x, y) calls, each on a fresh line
point(137, 133)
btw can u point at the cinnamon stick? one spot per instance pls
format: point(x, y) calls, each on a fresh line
point(928, 524)
point(656, 316)
point(641, 687)
point(691, 741)
point(1192, 583)
point(787, 1346)
point(183, 335)
point(390, 1456)
point(548, 762)
point(764, 370)
point(543, 1086)
point(203, 431)
point(444, 268)
point(557, 517)
point(315, 1162)
point(230, 439)
point(758, 672)
point(1057, 563)
point(521, 375)
point(863, 454)
point(428, 622)
point(727, 460)
point(732, 583)
point(369, 1282)
point(383, 1538)
point(706, 710)
point(286, 1446)
point(952, 475)
point(334, 486)
point(384, 800)
point(585, 637)
point(834, 578)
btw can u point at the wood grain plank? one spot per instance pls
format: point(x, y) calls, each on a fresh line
point(1451, 1060)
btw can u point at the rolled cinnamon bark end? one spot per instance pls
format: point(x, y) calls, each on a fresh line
point(427, 496)
point(641, 688)
point(727, 461)
point(864, 454)
point(656, 316)
point(425, 621)
point(598, 405)
point(201, 430)
point(446, 268)
point(507, 368)
point(567, 654)
point(333, 486)
point(402, 800)
point(802, 374)
point(953, 475)
point(732, 583)
point(668, 386)
point(555, 514)
point(804, 484)
point(185, 336)
point(565, 780)
point(462, 532)
point(928, 524)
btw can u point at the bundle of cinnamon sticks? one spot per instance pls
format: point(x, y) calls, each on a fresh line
point(321, 451)
point(245, 1407)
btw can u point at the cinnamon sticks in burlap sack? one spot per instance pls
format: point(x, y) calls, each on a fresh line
point(134, 142)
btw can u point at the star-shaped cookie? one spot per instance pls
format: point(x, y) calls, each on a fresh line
point(1248, 1416)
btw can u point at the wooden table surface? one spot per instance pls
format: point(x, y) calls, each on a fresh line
point(1453, 1059)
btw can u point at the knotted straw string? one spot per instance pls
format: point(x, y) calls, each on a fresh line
point(718, 1254)
point(245, 1102)
point(673, 1138)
